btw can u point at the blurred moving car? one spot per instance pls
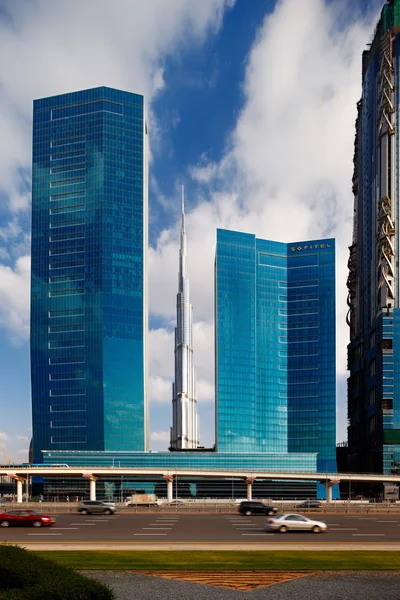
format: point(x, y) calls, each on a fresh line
point(251, 507)
point(25, 518)
point(96, 507)
point(293, 522)
point(310, 504)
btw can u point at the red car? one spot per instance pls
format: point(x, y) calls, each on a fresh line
point(25, 517)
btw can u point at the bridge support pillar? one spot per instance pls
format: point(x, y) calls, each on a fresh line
point(249, 487)
point(93, 489)
point(329, 486)
point(20, 480)
point(169, 479)
point(19, 490)
point(92, 482)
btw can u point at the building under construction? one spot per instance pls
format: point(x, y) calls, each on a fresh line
point(373, 280)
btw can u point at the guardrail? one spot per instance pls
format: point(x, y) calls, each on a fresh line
point(216, 507)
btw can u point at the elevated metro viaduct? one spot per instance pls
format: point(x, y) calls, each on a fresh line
point(93, 474)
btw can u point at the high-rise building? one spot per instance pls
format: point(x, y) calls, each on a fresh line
point(89, 265)
point(185, 420)
point(275, 347)
point(373, 281)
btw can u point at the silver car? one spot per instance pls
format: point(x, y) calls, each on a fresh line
point(92, 507)
point(293, 522)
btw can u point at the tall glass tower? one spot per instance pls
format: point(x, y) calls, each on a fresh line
point(373, 281)
point(275, 347)
point(185, 420)
point(89, 265)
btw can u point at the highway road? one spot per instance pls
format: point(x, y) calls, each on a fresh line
point(229, 528)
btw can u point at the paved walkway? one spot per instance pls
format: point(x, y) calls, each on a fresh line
point(320, 586)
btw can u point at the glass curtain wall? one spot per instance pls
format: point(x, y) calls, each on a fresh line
point(88, 282)
point(275, 346)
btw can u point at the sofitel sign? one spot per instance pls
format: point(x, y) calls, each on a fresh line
point(311, 247)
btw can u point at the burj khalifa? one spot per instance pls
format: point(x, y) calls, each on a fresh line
point(185, 420)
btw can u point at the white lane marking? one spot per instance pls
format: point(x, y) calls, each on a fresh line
point(367, 519)
point(44, 534)
point(149, 534)
point(84, 524)
point(239, 521)
point(257, 534)
point(387, 521)
point(157, 528)
point(65, 528)
point(345, 529)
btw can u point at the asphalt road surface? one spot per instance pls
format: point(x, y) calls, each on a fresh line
point(202, 528)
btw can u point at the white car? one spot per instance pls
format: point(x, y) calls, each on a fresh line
point(293, 522)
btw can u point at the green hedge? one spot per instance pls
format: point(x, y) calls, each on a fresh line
point(24, 576)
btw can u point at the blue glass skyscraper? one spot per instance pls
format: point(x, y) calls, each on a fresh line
point(88, 285)
point(275, 347)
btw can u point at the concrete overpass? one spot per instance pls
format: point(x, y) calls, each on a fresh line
point(21, 473)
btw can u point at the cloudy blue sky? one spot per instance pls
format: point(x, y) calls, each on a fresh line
point(251, 106)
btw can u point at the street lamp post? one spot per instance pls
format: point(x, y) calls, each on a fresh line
point(122, 488)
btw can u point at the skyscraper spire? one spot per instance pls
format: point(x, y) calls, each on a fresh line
point(185, 420)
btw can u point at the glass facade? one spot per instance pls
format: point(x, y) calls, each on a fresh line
point(275, 347)
point(373, 281)
point(273, 462)
point(88, 283)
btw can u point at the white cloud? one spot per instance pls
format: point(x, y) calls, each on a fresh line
point(51, 47)
point(286, 175)
point(160, 440)
point(160, 390)
point(3, 436)
point(205, 391)
point(160, 436)
point(161, 351)
point(293, 144)
point(14, 299)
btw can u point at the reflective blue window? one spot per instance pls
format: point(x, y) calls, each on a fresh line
point(275, 346)
point(88, 304)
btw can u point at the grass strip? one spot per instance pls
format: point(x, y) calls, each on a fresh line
point(363, 560)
